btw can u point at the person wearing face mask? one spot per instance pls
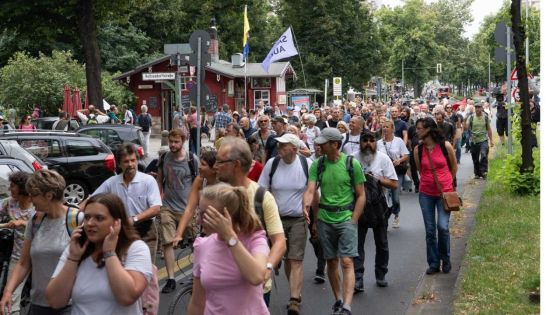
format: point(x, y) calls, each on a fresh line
point(140, 194)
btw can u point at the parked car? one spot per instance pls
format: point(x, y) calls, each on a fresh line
point(46, 123)
point(10, 148)
point(8, 165)
point(115, 135)
point(83, 161)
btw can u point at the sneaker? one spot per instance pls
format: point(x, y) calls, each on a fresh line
point(396, 222)
point(319, 277)
point(446, 267)
point(381, 282)
point(337, 307)
point(483, 176)
point(416, 190)
point(359, 287)
point(293, 306)
point(344, 312)
point(169, 287)
point(432, 270)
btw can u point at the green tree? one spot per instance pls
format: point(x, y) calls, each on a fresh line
point(336, 38)
point(27, 80)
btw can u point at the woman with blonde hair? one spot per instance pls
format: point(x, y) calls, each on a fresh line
point(229, 263)
point(45, 239)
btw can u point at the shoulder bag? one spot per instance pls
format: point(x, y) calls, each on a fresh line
point(451, 199)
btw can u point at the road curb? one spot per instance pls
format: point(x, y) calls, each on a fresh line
point(435, 293)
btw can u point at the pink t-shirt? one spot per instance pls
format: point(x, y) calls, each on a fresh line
point(427, 183)
point(226, 290)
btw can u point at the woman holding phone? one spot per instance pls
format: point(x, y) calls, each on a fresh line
point(106, 267)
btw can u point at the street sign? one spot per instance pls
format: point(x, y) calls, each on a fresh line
point(438, 68)
point(515, 94)
point(513, 75)
point(153, 76)
point(337, 86)
point(183, 69)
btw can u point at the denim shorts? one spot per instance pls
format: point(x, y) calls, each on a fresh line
point(338, 239)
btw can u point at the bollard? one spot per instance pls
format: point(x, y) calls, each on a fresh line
point(164, 142)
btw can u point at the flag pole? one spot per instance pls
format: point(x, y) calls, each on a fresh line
point(299, 54)
point(245, 85)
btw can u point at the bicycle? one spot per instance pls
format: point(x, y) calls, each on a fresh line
point(180, 301)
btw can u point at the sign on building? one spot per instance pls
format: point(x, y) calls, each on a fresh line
point(153, 76)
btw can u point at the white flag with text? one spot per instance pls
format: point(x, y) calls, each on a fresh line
point(283, 48)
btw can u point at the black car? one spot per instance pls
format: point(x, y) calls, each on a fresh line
point(83, 161)
point(115, 135)
point(46, 123)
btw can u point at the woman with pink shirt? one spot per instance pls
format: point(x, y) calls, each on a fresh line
point(230, 262)
point(25, 124)
point(433, 160)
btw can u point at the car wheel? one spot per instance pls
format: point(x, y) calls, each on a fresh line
point(75, 192)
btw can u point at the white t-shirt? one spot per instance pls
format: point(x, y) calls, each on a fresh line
point(311, 134)
point(288, 185)
point(92, 294)
point(381, 166)
point(352, 145)
point(395, 149)
point(142, 192)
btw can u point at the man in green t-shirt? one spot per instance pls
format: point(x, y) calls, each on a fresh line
point(340, 206)
point(479, 125)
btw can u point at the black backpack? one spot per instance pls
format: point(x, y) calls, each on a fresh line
point(376, 209)
point(144, 121)
point(276, 161)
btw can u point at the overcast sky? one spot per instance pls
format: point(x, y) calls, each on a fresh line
point(479, 9)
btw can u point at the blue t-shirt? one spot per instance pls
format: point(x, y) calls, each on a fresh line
point(400, 126)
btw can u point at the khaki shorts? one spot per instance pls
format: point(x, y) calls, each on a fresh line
point(169, 222)
point(295, 231)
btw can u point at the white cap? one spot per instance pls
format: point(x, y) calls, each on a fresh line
point(289, 138)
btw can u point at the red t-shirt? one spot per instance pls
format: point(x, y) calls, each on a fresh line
point(427, 183)
point(255, 171)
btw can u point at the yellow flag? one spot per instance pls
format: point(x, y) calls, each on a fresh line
point(246, 29)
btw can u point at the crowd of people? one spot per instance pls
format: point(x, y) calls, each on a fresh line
point(249, 203)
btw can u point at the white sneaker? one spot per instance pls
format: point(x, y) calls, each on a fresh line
point(396, 223)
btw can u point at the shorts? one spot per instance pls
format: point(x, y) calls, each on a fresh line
point(169, 222)
point(295, 231)
point(502, 126)
point(338, 239)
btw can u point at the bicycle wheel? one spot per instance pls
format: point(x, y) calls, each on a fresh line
point(181, 300)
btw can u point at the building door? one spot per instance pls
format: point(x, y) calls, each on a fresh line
point(262, 95)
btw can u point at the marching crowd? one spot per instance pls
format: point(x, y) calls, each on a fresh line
point(250, 202)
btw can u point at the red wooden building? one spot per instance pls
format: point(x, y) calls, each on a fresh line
point(224, 79)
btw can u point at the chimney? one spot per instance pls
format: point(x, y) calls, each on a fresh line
point(214, 49)
point(237, 60)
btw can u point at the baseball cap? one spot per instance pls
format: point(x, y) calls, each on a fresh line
point(290, 108)
point(328, 134)
point(478, 104)
point(289, 138)
point(279, 119)
point(1, 117)
point(235, 113)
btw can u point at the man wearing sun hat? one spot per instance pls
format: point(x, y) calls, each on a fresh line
point(285, 176)
point(341, 180)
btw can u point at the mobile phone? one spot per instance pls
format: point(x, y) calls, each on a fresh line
point(83, 237)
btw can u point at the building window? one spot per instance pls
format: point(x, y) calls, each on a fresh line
point(260, 83)
point(262, 95)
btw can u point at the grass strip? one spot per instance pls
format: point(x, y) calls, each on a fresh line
point(503, 253)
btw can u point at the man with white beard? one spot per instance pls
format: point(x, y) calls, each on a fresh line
point(380, 165)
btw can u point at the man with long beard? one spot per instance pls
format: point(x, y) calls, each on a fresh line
point(380, 166)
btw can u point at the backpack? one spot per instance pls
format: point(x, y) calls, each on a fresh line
point(92, 120)
point(62, 124)
point(486, 120)
point(346, 140)
point(349, 168)
point(376, 209)
point(74, 218)
point(275, 163)
point(144, 121)
point(150, 296)
point(501, 111)
point(193, 167)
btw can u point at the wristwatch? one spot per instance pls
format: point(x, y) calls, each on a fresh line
point(134, 219)
point(232, 242)
point(269, 266)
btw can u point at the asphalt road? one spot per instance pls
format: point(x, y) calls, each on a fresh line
point(407, 264)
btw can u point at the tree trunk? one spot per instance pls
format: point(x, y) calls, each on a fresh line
point(88, 37)
point(523, 85)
